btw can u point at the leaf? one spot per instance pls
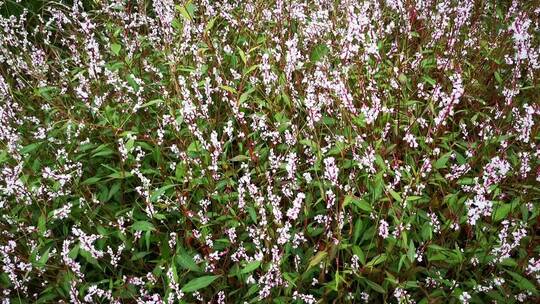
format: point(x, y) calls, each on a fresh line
point(498, 77)
point(413, 198)
point(251, 69)
point(245, 95)
point(91, 180)
point(411, 253)
point(44, 258)
point(139, 255)
point(187, 262)
point(429, 80)
point(502, 211)
point(89, 258)
point(378, 288)
point(358, 227)
point(152, 102)
point(105, 152)
point(242, 55)
point(289, 278)
point(250, 267)
point(29, 148)
point(239, 158)
point(114, 189)
point(363, 204)
point(42, 224)
point(377, 260)
point(252, 214)
point(360, 203)
point(441, 162)
point(159, 192)
point(143, 226)
point(199, 283)
point(184, 12)
point(315, 260)
point(120, 175)
point(210, 25)
point(318, 52)
point(115, 47)
point(402, 78)
point(522, 282)
point(395, 195)
point(228, 88)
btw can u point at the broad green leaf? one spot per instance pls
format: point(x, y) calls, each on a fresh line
point(377, 260)
point(143, 226)
point(240, 158)
point(115, 47)
point(199, 283)
point(91, 180)
point(159, 192)
point(152, 102)
point(228, 88)
point(502, 211)
point(315, 260)
point(441, 162)
point(187, 262)
point(318, 52)
point(522, 282)
point(250, 267)
point(395, 195)
point(378, 288)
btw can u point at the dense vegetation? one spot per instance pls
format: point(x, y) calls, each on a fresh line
point(269, 151)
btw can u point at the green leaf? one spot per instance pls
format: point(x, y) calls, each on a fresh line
point(315, 260)
point(358, 227)
point(115, 47)
point(228, 88)
point(242, 55)
point(318, 52)
point(152, 102)
point(376, 260)
point(395, 195)
point(187, 262)
point(402, 78)
point(184, 12)
point(245, 95)
point(360, 203)
point(44, 258)
point(250, 267)
point(120, 175)
point(42, 224)
point(210, 25)
point(114, 189)
point(239, 158)
point(498, 77)
point(105, 151)
point(250, 69)
point(441, 162)
point(252, 214)
point(143, 226)
point(411, 253)
point(429, 80)
point(159, 192)
point(139, 255)
point(501, 212)
point(91, 180)
point(29, 148)
point(363, 205)
point(199, 283)
point(522, 282)
point(378, 288)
